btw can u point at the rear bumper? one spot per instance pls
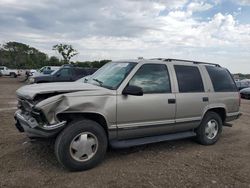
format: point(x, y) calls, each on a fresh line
point(30, 126)
point(232, 116)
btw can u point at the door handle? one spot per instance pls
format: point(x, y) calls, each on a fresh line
point(205, 99)
point(171, 101)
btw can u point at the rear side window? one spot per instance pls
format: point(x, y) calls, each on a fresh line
point(221, 79)
point(189, 79)
point(79, 72)
point(152, 78)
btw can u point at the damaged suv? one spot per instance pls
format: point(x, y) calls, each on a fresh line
point(129, 103)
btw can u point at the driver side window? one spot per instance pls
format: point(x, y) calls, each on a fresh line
point(64, 72)
point(152, 78)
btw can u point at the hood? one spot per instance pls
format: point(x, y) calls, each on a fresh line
point(30, 91)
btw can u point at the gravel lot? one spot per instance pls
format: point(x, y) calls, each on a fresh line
point(182, 163)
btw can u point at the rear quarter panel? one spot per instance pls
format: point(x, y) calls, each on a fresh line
point(227, 100)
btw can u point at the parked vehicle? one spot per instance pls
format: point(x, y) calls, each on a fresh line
point(5, 71)
point(64, 74)
point(129, 103)
point(43, 70)
point(245, 93)
point(241, 84)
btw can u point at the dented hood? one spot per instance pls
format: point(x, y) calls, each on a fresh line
point(30, 91)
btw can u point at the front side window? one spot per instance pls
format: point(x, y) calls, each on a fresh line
point(189, 79)
point(64, 72)
point(111, 75)
point(221, 79)
point(152, 78)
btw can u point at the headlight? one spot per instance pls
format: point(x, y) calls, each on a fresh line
point(31, 80)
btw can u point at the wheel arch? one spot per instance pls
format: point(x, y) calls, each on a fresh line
point(74, 116)
point(221, 111)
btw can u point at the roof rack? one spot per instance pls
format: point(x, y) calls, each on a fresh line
point(189, 61)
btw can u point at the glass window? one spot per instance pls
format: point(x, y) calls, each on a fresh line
point(152, 78)
point(64, 72)
point(189, 79)
point(111, 75)
point(221, 79)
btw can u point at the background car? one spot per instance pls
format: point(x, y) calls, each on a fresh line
point(245, 93)
point(241, 84)
point(44, 70)
point(5, 71)
point(64, 74)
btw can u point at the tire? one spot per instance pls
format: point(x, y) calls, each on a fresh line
point(205, 135)
point(71, 136)
point(13, 75)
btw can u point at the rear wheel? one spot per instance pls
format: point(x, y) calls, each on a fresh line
point(13, 75)
point(210, 129)
point(81, 146)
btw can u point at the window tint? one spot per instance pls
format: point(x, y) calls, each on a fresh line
point(189, 79)
point(152, 78)
point(64, 72)
point(79, 72)
point(221, 79)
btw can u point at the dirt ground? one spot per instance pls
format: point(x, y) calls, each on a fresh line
point(182, 163)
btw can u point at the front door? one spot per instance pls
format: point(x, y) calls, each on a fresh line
point(63, 75)
point(151, 114)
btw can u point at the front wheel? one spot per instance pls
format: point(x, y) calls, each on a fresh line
point(81, 146)
point(210, 129)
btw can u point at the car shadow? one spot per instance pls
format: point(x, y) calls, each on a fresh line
point(43, 152)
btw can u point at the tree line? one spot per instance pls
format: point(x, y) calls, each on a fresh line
point(22, 56)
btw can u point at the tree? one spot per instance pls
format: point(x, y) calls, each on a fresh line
point(67, 51)
point(19, 55)
point(54, 61)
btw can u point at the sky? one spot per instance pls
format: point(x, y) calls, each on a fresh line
point(215, 31)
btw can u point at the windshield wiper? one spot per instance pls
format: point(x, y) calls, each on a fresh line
point(98, 81)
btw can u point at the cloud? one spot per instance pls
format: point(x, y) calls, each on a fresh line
point(199, 6)
point(127, 28)
point(242, 2)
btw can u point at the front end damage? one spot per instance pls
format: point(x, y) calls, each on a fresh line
point(45, 111)
point(34, 123)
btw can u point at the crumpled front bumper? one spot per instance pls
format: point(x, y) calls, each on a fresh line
point(29, 125)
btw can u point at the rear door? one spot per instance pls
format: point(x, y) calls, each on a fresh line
point(78, 73)
point(191, 97)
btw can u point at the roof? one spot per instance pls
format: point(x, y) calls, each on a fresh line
point(166, 60)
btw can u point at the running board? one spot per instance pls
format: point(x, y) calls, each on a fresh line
point(148, 140)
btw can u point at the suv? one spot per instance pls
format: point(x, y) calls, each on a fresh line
point(66, 73)
point(129, 103)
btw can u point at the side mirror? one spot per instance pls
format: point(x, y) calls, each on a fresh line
point(132, 90)
point(57, 75)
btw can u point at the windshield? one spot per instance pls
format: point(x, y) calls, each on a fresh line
point(54, 72)
point(111, 74)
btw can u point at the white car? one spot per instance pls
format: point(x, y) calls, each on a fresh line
point(44, 70)
point(5, 71)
